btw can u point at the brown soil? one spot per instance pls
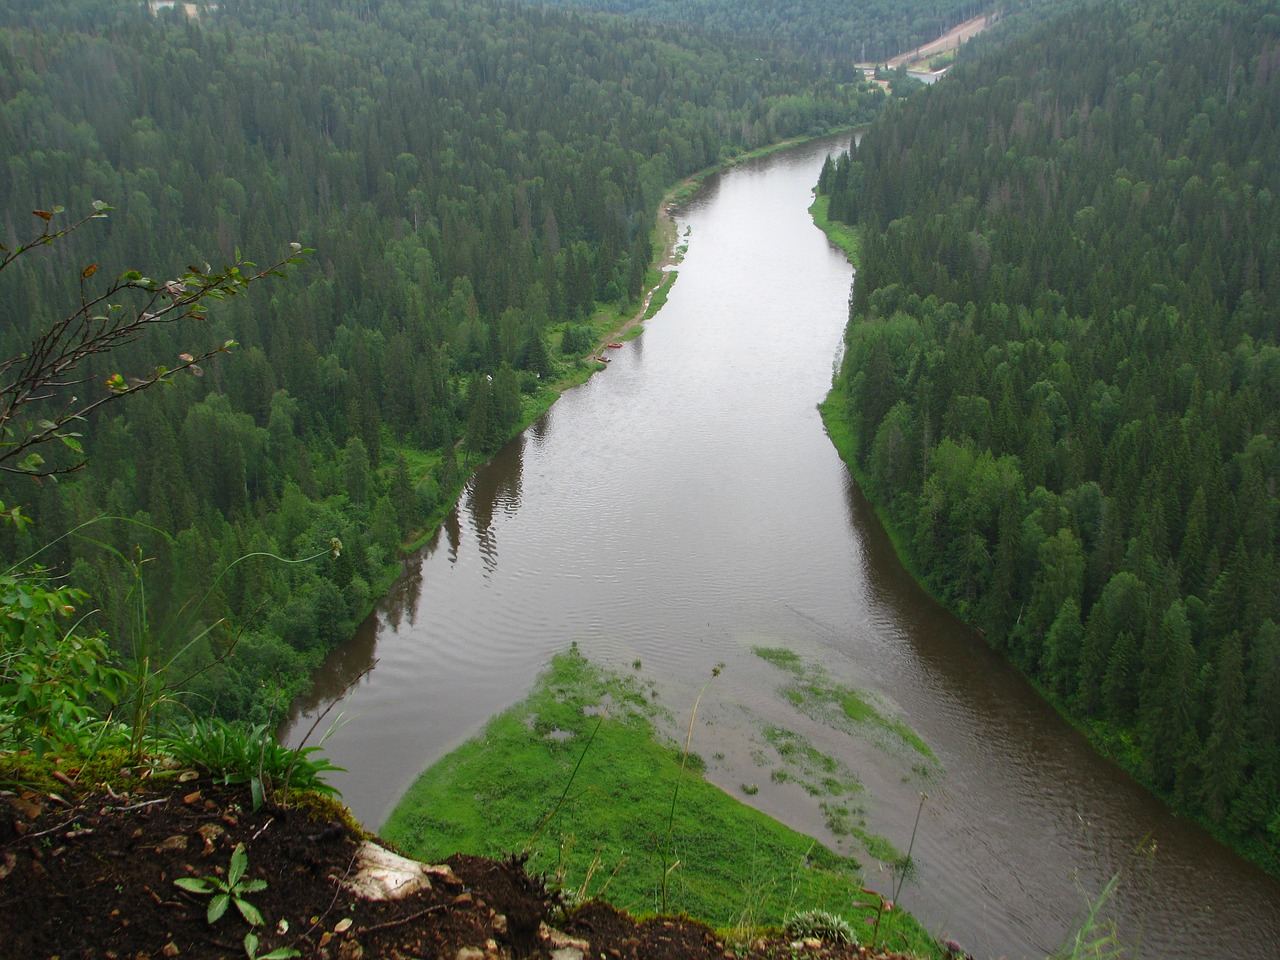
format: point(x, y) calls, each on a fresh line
point(93, 877)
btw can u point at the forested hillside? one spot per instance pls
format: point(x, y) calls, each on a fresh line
point(1063, 376)
point(834, 29)
point(475, 179)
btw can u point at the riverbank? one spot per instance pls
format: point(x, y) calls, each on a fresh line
point(669, 244)
point(610, 323)
point(1108, 740)
point(124, 867)
point(842, 235)
point(577, 777)
point(605, 833)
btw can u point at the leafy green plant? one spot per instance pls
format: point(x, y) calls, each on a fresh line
point(819, 925)
point(55, 683)
point(279, 953)
point(883, 906)
point(240, 753)
point(228, 891)
point(1096, 938)
point(59, 688)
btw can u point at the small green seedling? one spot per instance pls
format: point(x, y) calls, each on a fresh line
point(228, 891)
point(279, 953)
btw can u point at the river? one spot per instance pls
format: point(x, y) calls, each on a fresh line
point(684, 506)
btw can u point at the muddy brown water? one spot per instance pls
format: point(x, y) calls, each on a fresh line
point(685, 506)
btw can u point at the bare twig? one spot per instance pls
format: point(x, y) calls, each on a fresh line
point(392, 924)
point(61, 826)
point(139, 806)
point(337, 889)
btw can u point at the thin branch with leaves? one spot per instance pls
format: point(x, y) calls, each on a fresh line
point(48, 377)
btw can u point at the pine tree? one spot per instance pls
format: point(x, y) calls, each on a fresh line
point(1166, 688)
point(1224, 753)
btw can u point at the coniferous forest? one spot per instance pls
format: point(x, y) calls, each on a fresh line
point(1063, 378)
point(843, 32)
point(474, 179)
point(1061, 373)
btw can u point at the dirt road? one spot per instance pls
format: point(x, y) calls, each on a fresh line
point(948, 41)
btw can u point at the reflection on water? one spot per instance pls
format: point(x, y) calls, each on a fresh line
point(685, 506)
point(494, 489)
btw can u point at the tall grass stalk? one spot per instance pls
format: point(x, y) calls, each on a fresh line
point(564, 794)
point(901, 868)
point(1096, 938)
point(302, 749)
point(907, 863)
point(667, 851)
point(151, 689)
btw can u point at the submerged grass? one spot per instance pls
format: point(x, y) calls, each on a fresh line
point(842, 707)
point(578, 774)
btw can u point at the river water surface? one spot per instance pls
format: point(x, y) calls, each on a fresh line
point(684, 506)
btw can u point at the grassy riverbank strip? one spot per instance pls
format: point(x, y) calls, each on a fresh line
point(841, 234)
point(577, 775)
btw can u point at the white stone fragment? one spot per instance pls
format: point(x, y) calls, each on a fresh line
point(383, 875)
point(557, 939)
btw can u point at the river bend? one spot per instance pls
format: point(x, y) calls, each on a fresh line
point(684, 506)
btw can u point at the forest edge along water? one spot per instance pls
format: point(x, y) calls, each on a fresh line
point(687, 509)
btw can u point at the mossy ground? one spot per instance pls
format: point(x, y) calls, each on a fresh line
point(577, 775)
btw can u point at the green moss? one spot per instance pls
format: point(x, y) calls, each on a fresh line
point(325, 809)
point(28, 771)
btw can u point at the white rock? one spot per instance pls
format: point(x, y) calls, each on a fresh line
point(554, 938)
point(383, 875)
